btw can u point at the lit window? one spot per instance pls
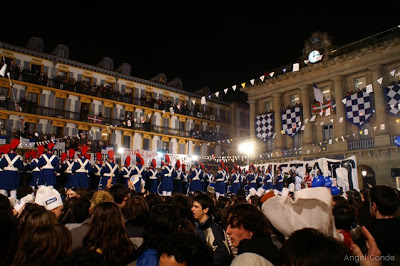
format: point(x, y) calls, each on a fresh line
point(359, 83)
point(294, 99)
point(267, 106)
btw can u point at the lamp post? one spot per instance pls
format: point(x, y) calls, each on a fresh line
point(364, 173)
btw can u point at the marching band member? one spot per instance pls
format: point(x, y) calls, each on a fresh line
point(35, 171)
point(126, 171)
point(185, 180)
point(81, 169)
point(68, 164)
point(208, 178)
point(235, 179)
point(49, 165)
point(251, 178)
point(279, 180)
point(268, 180)
point(152, 177)
point(96, 170)
point(167, 183)
point(12, 164)
point(220, 180)
point(177, 177)
point(195, 177)
point(136, 181)
point(108, 172)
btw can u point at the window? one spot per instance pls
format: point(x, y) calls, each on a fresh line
point(267, 106)
point(222, 114)
point(182, 148)
point(297, 141)
point(197, 149)
point(327, 132)
point(243, 120)
point(211, 110)
point(57, 131)
point(36, 68)
point(270, 144)
point(146, 144)
point(294, 99)
point(63, 74)
point(33, 97)
point(30, 127)
point(107, 111)
point(87, 80)
point(126, 142)
point(59, 104)
point(326, 92)
point(359, 83)
point(165, 146)
point(108, 84)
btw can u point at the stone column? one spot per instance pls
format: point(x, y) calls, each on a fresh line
point(381, 136)
point(277, 107)
point(340, 128)
point(252, 104)
point(305, 101)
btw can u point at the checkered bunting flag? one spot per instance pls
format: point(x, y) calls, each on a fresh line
point(392, 94)
point(358, 108)
point(291, 120)
point(264, 126)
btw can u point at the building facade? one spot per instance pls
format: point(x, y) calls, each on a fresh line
point(49, 94)
point(357, 115)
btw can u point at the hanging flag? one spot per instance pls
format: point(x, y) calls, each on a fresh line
point(262, 78)
point(380, 80)
point(284, 70)
point(392, 72)
point(318, 108)
point(369, 88)
point(271, 74)
point(233, 87)
point(226, 90)
point(243, 84)
point(296, 67)
point(252, 81)
point(318, 94)
point(217, 94)
point(203, 100)
point(194, 102)
point(3, 70)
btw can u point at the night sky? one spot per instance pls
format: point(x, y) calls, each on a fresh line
point(206, 44)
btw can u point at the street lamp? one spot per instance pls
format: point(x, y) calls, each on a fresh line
point(364, 173)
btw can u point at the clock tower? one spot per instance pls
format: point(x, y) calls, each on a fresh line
point(317, 47)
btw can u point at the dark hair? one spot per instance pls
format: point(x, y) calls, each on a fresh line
point(44, 246)
point(82, 257)
point(163, 221)
point(248, 216)
point(184, 205)
point(344, 217)
point(187, 248)
point(22, 191)
point(206, 202)
point(78, 210)
point(5, 205)
point(153, 200)
point(386, 199)
point(339, 200)
point(119, 192)
point(311, 247)
point(107, 232)
point(136, 211)
point(9, 237)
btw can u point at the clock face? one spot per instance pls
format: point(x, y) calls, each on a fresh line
point(314, 56)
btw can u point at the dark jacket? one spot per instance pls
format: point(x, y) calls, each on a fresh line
point(262, 246)
point(216, 239)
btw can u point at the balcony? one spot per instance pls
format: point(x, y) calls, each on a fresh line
point(360, 144)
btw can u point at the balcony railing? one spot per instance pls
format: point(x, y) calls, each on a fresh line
point(360, 144)
point(108, 93)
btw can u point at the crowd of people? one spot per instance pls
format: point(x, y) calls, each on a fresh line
point(65, 211)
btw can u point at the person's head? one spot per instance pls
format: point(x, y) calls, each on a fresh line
point(184, 205)
point(120, 194)
point(153, 200)
point(309, 246)
point(245, 221)
point(384, 201)
point(100, 196)
point(78, 210)
point(107, 233)
point(344, 217)
point(163, 221)
point(136, 211)
point(339, 200)
point(45, 244)
point(83, 257)
point(184, 249)
point(33, 217)
point(203, 207)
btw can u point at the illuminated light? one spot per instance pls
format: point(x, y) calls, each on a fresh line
point(121, 150)
point(160, 154)
point(247, 148)
point(195, 158)
point(364, 173)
